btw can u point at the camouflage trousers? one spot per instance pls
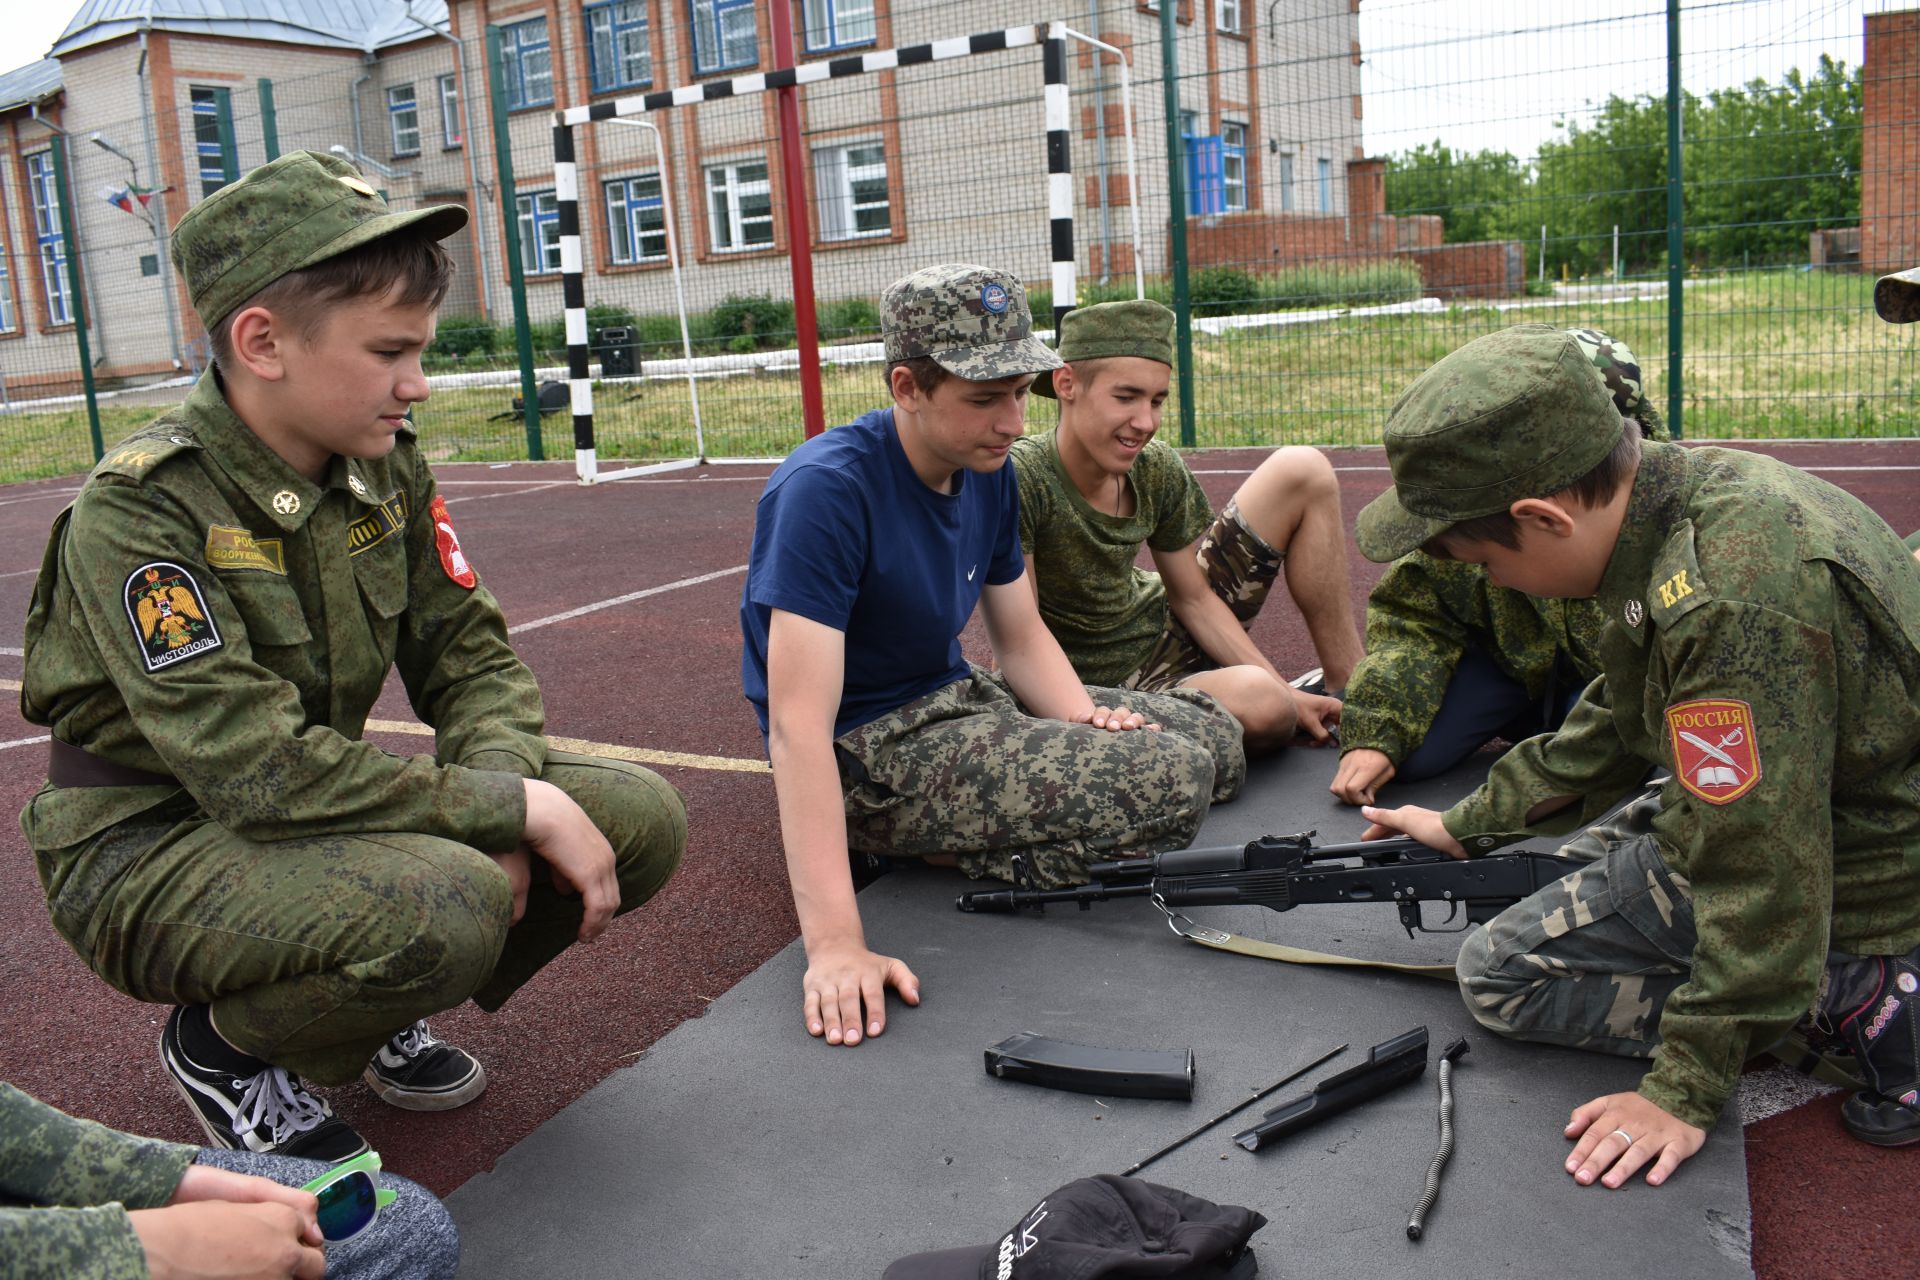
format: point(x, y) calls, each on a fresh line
point(1590, 960)
point(1241, 567)
point(967, 770)
point(314, 951)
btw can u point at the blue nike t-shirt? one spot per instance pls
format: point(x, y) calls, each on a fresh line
point(849, 536)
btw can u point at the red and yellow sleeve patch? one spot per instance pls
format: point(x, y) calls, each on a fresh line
point(452, 559)
point(1716, 751)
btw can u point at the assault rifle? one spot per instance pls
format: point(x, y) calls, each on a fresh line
point(1283, 872)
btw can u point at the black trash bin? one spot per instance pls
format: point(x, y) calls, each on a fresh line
point(619, 352)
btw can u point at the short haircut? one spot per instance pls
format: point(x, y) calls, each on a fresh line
point(1594, 489)
point(414, 268)
point(927, 372)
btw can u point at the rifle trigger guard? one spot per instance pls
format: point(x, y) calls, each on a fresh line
point(1186, 927)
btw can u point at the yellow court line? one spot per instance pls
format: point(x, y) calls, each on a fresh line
point(580, 746)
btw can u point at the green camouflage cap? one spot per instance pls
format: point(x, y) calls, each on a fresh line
point(284, 216)
point(972, 320)
point(1516, 414)
point(1897, 297)
point(1137, 327)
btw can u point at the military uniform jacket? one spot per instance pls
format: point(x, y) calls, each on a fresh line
point(1762, 643)
point(1423, 616)
point(65, 1187)
point(204, 611)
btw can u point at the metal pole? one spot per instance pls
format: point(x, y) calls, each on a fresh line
point(1133, 170)
point(806, 335)
point(1177, 221)
point(1100, 148)
point(63, 193)
point(673, 260)
point(1616, 253)
point(1676, 225)
point(509, 218)
point(269, 126)
point(1066, 289)
point(1543, 253)
point(158, 207)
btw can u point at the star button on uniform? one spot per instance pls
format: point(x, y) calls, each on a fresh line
point(286, 502)
point(1635, 612)
point(359, 489)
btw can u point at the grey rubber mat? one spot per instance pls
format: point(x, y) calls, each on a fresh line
point(740, 1147)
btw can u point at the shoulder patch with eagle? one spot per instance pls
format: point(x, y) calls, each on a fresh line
point(169, 615)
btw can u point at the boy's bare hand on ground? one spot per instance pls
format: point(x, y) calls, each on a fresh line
point(1423, 825)
point(1362, 772)
point(228, 1240)
point(1620, 1133)
point(843, 977)
point(1315, 714)
point(578, 856)
point(1118, 720)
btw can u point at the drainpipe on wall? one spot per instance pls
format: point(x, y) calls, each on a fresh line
point(353, 103)
point(477, 204)
point(159, 207)
point(76, 254)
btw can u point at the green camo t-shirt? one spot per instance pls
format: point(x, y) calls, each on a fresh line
point(1104, 610)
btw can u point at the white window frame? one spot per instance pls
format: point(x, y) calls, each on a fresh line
point(538, 217)
point(627, 210)
point(838, 24)
point(1325, 171)
point(835, 178)
point(721, 41)
point(8, 320)
point(728, 223)
point(449, 90)
point(609, 55)
point(1227, 17)
point(1286, 182)
point(55, 278)
point(1233, 166)
point(403, 117)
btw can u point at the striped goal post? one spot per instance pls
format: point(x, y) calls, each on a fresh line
point(1051, 36)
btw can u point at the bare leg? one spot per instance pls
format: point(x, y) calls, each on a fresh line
point(1292, 500)
point(1263, 706)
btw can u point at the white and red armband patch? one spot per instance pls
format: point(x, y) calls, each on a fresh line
point(451, 558)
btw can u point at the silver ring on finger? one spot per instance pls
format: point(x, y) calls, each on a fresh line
point(1624, 1134)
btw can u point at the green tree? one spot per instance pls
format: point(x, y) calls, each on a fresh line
point(1480, 195)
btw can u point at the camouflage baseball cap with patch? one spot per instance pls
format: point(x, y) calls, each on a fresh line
point(285, 216)
point(973, 321)
point(1516, 414)
point(1897, 297)
point(1136, 327)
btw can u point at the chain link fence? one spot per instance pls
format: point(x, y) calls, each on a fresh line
point(1361, 191)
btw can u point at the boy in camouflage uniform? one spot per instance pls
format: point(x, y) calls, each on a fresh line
point(214, 618)
point(78, 1199)
point(1453, 661)
point(1099, 485)
point(1763, 645)
point(872, 545)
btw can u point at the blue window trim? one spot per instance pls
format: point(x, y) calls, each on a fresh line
point(50, 244)
point(833, 27)
point(630, 206)
point(1229, 151)
point(515, 44)
point(218, 163)
point(715, 9)
point(533, 259)
point(607, 79)
point(1206, 187)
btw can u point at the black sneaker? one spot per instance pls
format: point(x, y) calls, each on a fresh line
point(1314, 681)
point(415, 1071)
point(1883, 1121)
point(270, 1110)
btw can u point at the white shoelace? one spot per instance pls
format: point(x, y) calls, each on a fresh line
point(415, 1039)
point(271, 1098)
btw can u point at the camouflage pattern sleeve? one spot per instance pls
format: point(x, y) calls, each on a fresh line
point(1031, 463)
point(233, 731)
point(1175, 494)
point(462, 676)
point(62, 1184)
point(1416, 632)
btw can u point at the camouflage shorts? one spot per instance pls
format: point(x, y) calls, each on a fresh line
point(1590, 960)
point(967, 770)
point(1241, 568)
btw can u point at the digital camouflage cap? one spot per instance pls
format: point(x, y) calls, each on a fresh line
point(1516, 414)
point(1897, 297)
point(973, 322)
point(285, 216)
point(1136, 327)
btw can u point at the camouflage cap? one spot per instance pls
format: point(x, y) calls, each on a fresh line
point(1897, 297)
point(1137, 327)
point(972, 320)
point(284, 216)
point(1516, 414)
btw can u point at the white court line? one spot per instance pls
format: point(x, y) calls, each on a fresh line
point(37, 497)
point(24, 742)
point(6, 651)
point(18, 573)
point(626, 599)
point(533, 488)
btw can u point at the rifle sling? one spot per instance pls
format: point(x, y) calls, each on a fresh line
point(1220, 940)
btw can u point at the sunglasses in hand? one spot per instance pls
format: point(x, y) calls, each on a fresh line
point(349, 1197)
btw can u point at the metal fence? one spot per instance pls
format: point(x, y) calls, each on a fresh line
point(1362, 192)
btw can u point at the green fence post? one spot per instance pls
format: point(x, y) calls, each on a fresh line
point(1676, 226)
point(64, 193)
point(1177, 220)
point(510, 219)
point(269, 126)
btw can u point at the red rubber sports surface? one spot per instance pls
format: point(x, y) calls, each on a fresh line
point(661, 674)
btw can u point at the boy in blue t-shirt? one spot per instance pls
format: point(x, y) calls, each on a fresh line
point(872, 545)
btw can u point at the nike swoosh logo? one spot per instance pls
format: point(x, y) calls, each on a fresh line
point(971, 572)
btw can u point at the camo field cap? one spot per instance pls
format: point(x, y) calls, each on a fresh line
point(1897, 297)
point(1137, 327)
point(285, 216)
point(1516, 414)
point(972, 320)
